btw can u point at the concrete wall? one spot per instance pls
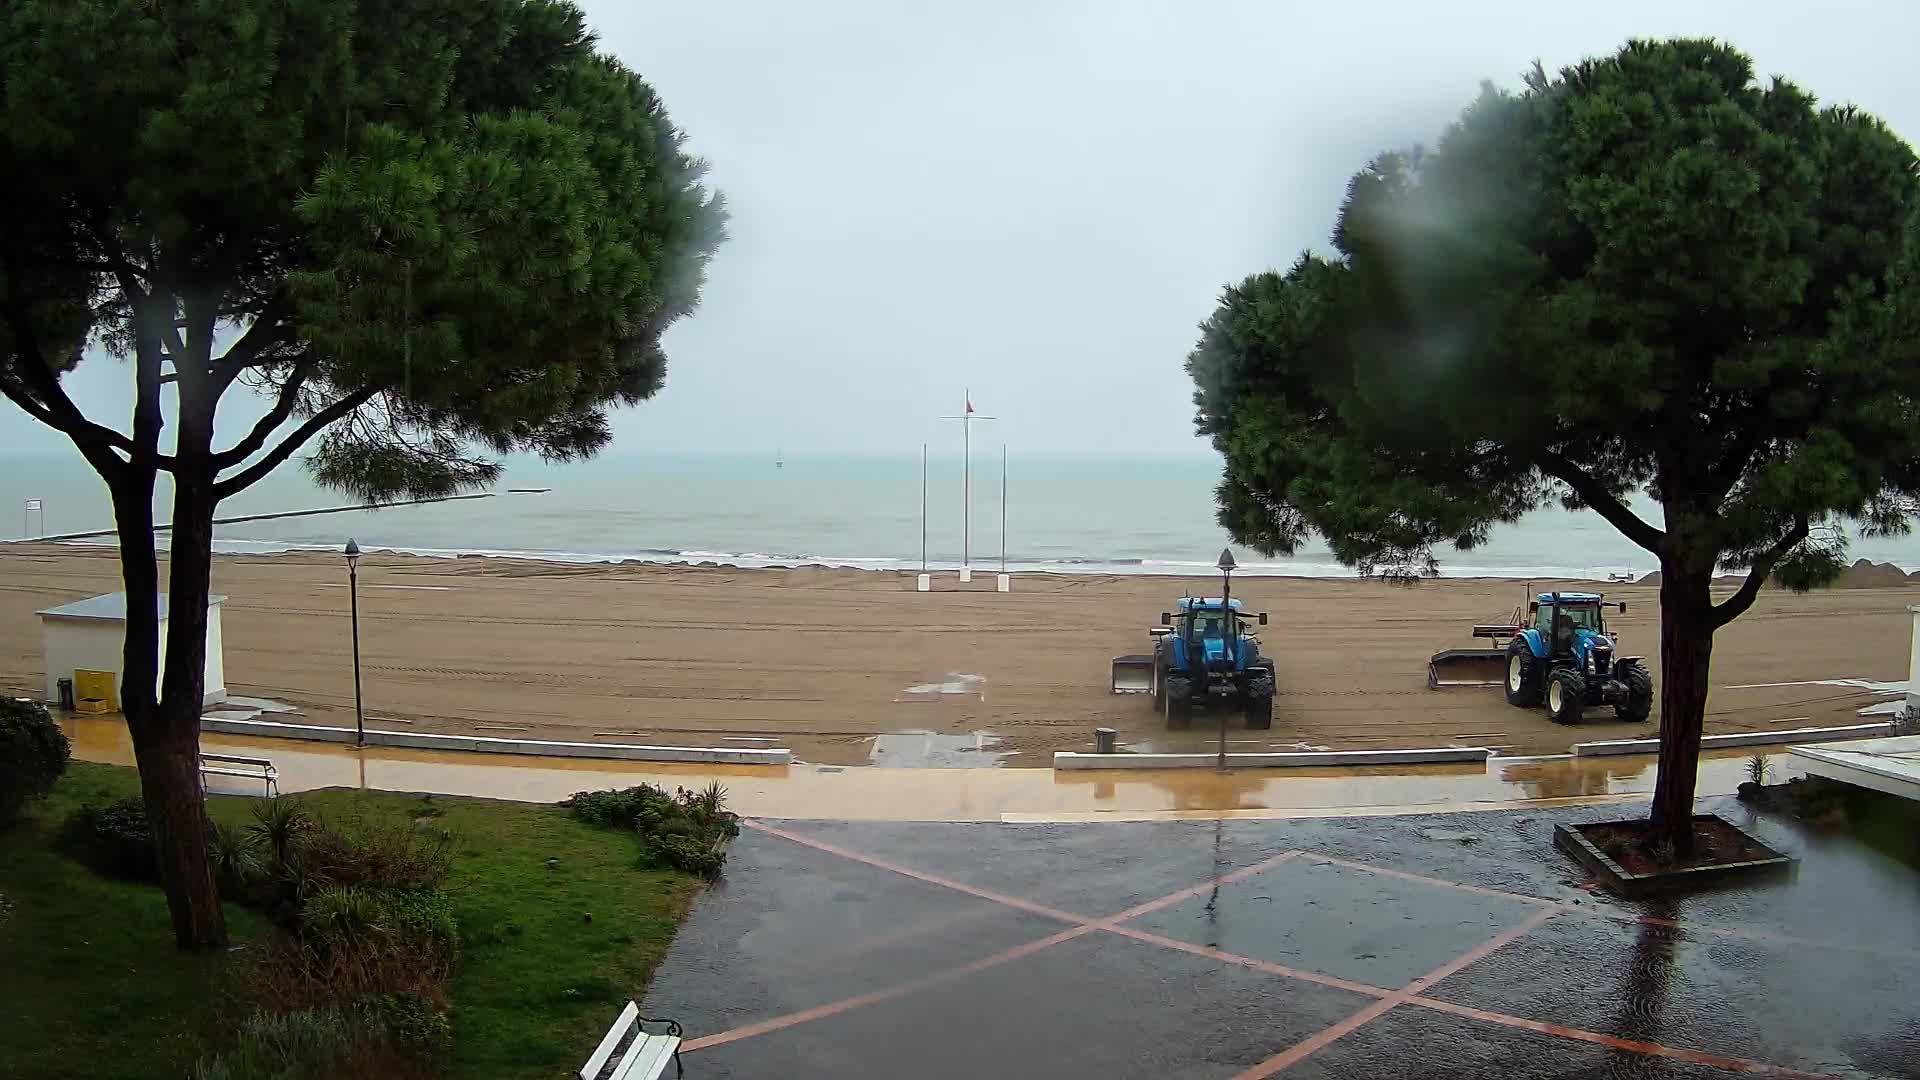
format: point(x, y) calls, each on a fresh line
point(1913, 668)
point(70, 644)
point(84, 644)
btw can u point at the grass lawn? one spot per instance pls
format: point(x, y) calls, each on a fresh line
point(92, 986)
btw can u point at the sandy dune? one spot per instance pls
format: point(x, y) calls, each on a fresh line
point(824, 660)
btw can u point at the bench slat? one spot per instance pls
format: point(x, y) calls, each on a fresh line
point(628, 1016)
point(647, 1058)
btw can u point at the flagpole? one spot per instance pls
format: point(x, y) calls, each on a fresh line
point(1003, 508)
point(966, 503)
point(923, 508)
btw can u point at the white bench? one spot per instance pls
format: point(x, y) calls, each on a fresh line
point(629, 1053)
point(252, 768)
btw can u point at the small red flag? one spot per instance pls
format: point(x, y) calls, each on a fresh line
point(969, 406)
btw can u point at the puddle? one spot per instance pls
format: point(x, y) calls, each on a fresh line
point(927, 750)
point(246, 708)
point(957, 684)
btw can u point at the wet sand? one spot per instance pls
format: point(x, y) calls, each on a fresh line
point(826, 660)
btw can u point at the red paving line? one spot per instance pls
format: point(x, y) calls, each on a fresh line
point(1614, 916)
point(1249, 962)
point(875, 997)
point(1195, 890)
point(1313, 1044)
point(917, 875)
point(1632, 1046)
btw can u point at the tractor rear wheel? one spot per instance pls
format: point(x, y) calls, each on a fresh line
point(1523, 675)
point(1259, 698)
point(1176, 702)
point(1566, 696)
point(1638, 703)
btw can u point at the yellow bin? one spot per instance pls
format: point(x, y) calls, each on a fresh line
point(96, 686)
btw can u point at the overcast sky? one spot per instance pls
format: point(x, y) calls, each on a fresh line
point(1041, 200)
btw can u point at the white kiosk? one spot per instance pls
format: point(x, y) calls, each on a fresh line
point(90, 635)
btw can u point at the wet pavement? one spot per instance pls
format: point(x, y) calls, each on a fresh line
point(1460, 945)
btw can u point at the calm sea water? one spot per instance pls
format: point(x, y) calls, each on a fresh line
point(1143, 517)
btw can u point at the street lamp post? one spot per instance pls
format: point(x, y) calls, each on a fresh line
point(1232, 627)
point(353, 602)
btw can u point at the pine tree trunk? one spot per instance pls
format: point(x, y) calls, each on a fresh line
point(166, 744)
point(1686, 650)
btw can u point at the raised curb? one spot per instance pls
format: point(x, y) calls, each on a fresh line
point(1743, 738)
point(420, 740)
point(1293, 759)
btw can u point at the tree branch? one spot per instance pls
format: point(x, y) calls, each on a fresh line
point(1602, 501)
point(283, 408)
point(316, 423)
point(54, 408)
point(1736, 605)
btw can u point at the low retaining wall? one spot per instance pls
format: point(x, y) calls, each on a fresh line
point(420, 740)
point(1743, 738)
point(1292, 759)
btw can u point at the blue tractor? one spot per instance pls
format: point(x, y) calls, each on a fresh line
point(1566, 656)
point(1202, 655)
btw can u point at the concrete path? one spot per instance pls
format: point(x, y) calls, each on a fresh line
point(839, 793)
point(1423, 946)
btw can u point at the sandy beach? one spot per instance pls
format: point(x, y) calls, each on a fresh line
point(826, 660)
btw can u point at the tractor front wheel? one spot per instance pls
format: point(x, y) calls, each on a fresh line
point(1176, 702)
point(1566, 696)
point(1523, 675)
point(1638, 703)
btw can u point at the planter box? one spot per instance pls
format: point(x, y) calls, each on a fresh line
point(1620, 881)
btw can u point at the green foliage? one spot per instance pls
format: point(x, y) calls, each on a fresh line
point(385, 1035)
point(237, 864)
point(1651, 272)
point(684, 831)
point(33, 754)
point(277, 823)
point(381, 854)
point(522, 946)
point(114, 839)
point(460, 206)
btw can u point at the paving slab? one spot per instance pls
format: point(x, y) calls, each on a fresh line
point(1846, 1014)
point(1339, 921)
point(1416, 1043)
point(1096, 1006)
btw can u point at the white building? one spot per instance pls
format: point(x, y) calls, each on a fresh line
point(90, 635)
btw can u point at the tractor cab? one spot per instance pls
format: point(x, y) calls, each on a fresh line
point(1571, 625)
point(1209, 634)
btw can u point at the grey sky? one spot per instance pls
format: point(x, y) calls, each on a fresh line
point(1041, 200)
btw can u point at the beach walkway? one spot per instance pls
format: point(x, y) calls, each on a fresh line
point(1011, 795)
point(1409, 946)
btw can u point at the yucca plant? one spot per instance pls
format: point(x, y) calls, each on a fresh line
point(276, 823)
point(236, 856)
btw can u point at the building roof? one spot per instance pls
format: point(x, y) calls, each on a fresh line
point(1891, 765)
point(1570, 597)
point(111, 607)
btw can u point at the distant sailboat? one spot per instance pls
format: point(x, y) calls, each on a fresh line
point(779, 458)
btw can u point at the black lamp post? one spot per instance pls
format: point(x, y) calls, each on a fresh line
point(353, 595)
point(1232, 626)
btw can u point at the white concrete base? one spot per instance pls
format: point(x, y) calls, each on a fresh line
point(1003, 583)
point(966, 575)
point(923, 583)
point(1066, 759)
point(1744, 738)
point(419, 740)
point(1888, 765)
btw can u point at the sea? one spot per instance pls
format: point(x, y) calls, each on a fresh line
point(1054, 514)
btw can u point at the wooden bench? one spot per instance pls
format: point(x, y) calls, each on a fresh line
point(252, 768)
point(629, 1053)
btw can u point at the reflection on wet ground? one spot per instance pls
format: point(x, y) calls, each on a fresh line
point(931, 750)
point(1399, 946)
point(949, 794)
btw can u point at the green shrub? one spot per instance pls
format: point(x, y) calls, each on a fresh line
point(689, 853)
point(385, 1035)
point(682, 831)
point(353, 940)
point(33, 754)
point(114, 839)
point(411, 1021)
point(382, 855)
point(237, 864)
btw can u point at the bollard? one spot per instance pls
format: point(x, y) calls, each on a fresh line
point(923, 583)
point(1104, 740)
point(966, 574)
point(1913, 674)
point(1003, 583)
